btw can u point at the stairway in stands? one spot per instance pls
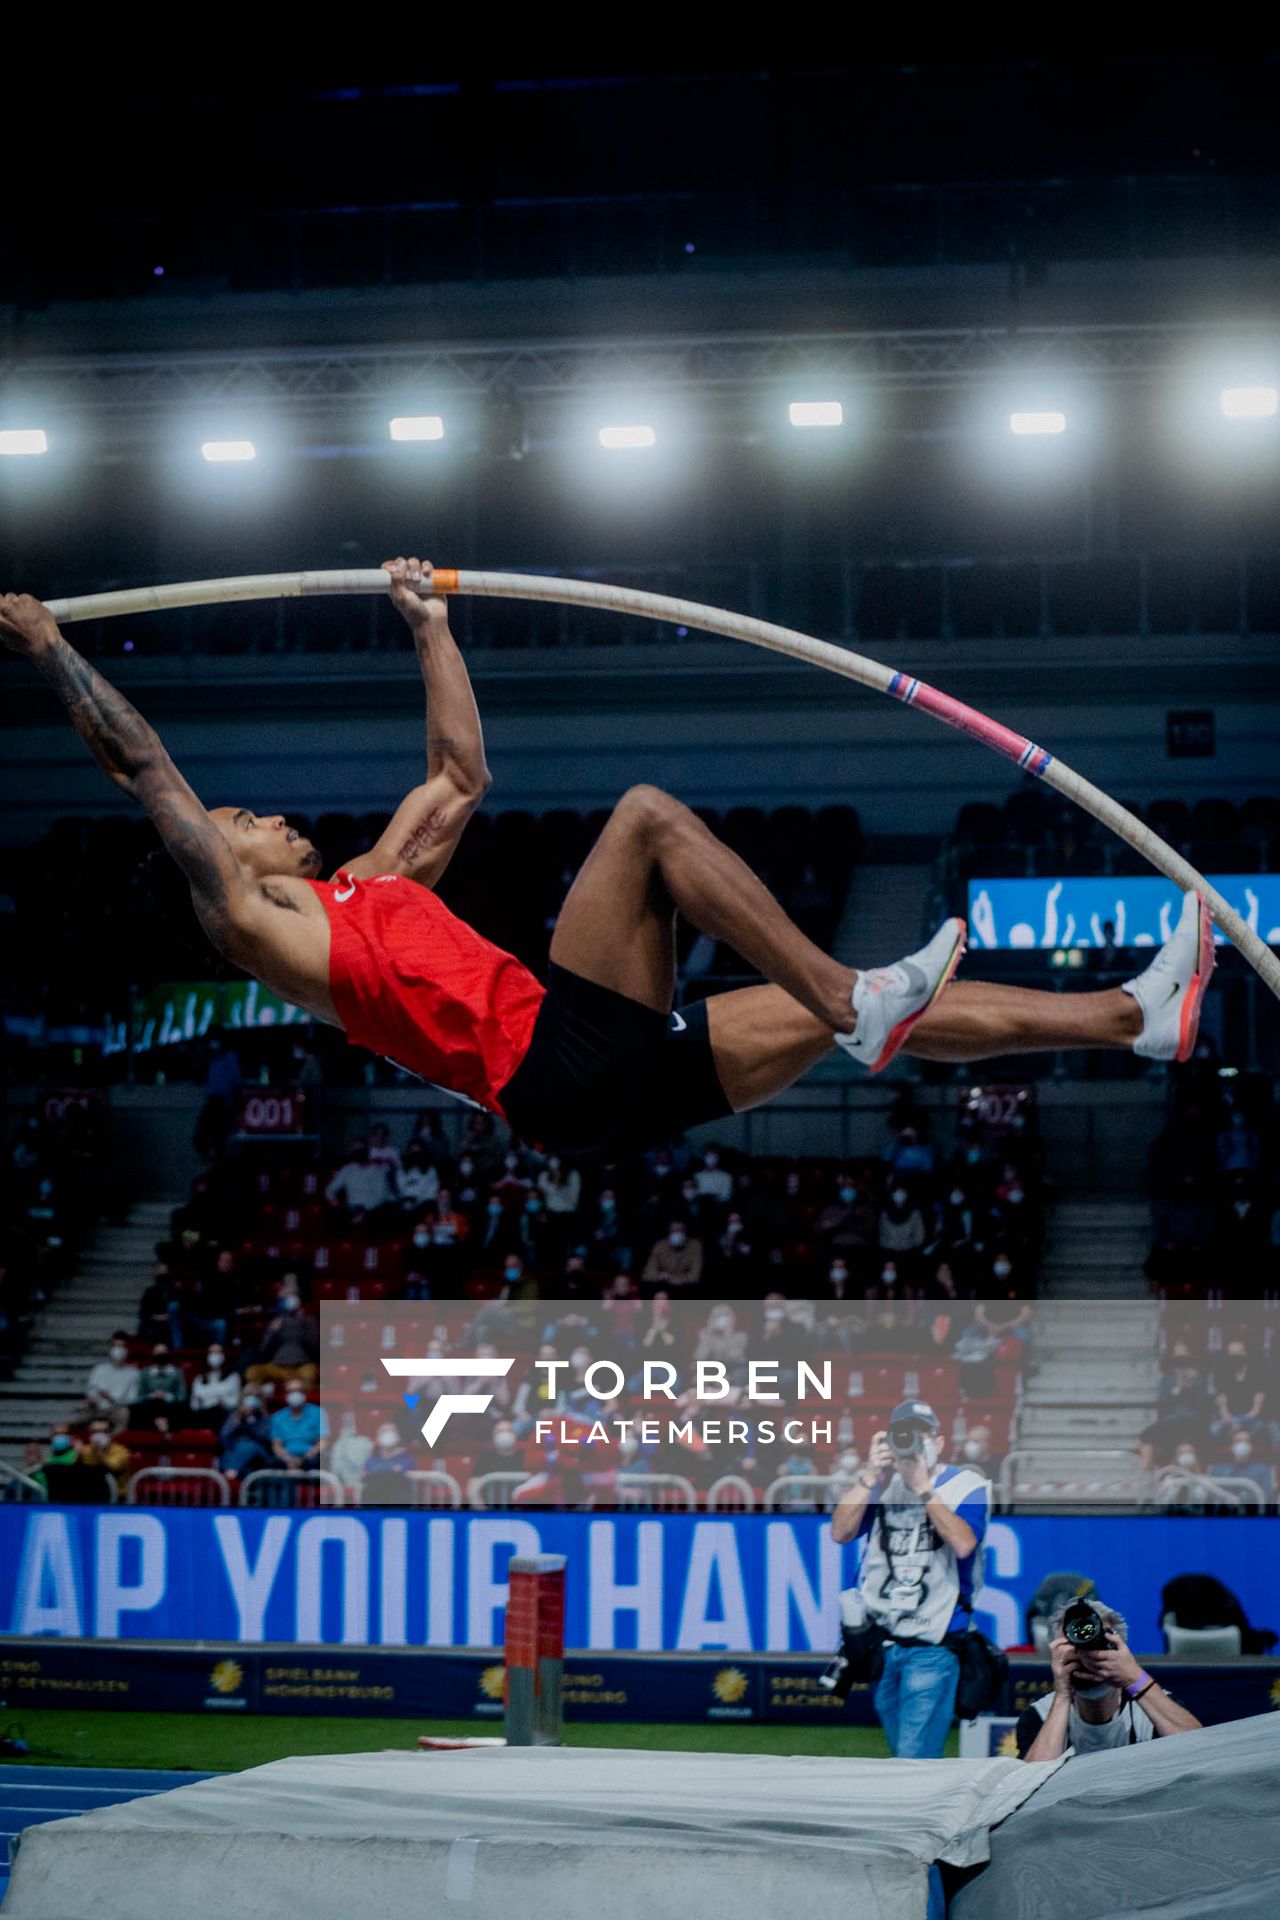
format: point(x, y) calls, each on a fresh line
point(72, 1332)
point(1095, 1248)
point(1093, 1381)
point(883, 915)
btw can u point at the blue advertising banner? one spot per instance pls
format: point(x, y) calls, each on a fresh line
point(1142, 909)
point(679, 1583)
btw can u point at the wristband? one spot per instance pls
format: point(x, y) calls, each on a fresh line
point(871, 1485)
point(1141, 1685)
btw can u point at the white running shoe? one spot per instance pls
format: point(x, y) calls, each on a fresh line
point(1171, 991)
point(889, 1000)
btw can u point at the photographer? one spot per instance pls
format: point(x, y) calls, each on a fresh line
point(1101, 1697)
point(924, 1524)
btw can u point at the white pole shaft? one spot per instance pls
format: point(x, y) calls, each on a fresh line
point(732, 626)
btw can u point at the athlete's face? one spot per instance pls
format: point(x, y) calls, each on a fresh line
point(265, 843)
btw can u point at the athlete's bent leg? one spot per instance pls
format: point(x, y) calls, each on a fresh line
point(763, 1040)
point(655, 857)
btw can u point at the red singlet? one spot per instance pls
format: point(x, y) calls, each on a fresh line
point(412, 981)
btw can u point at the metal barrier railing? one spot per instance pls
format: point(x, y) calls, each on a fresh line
point(669, 1491)
point(178, 1487)
point(277, 1487)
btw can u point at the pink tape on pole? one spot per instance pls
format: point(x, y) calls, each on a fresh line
point(918, 693)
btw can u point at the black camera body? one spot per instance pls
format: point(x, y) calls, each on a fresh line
point(1083, 1626)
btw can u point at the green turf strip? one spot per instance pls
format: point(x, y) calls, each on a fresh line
point(204, 1743)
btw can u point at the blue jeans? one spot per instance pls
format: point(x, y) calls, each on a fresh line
point(915, 1697)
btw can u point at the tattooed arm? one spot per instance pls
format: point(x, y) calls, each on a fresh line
point(131, 755)
point(428, 823)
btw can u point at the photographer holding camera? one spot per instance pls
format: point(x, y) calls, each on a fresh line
point(1101, 1697)
point(906, 1625)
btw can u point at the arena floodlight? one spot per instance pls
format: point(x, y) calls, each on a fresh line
point(627, 436)
point(816, 413)
point(1249, 403)
point(1048, 421)
point(220, 451)
point(23, 440)
point(417, 426)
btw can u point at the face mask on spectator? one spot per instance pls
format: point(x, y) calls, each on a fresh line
point(100, 1438)
point(839, 1271)
point(512, 1162)
point(289, 1303)
point(721, 1322)
point(773, 1314)
point(215, 1360)
point(504, 1440)
point(848, 1195)
point(607, 1203)
point(1014, 1196)
point(511, 1272)
point(1002, 1269)
point(421, 1237)
point(296, 1398)
point(676, 1237)
point(252, 1405)
point(388, 1440)
point(466, 1167)
point(533, 1204)
point(973, 1449)
point(899, 1196)
point(957, 1196)
point(889, 1276)
point(119, 1354)
point(1185, 1458)
point(973, 1156)
point(711, 1159)
point(1241, 1449)
point(580, 1358)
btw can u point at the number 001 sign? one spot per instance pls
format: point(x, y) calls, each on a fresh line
point(267, 1110)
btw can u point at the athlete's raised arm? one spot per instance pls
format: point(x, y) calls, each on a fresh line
point(130, 753)
point(428, 823)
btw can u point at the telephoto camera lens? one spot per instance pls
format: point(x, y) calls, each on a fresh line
point(904, 1440)
point(1082, 1626)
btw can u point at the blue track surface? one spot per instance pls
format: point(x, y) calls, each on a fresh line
point(30, 1795)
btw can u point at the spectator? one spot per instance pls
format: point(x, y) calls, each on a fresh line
point(214, 1393)
point(902, 1228)
point(621, 1311)
point(674, 1262)
point(153, 1308)
point(908, 1156)
point(607, 1239)
point(1244, 1462)
point(502, 1455)
point(361, 1187)
point(712, 1179)
point(245, 1439)
point(418, 1181)
point(290, 1347)
point(1239, 1148)
point(977, 1452)
point(102, 1449)
point(299, 1430)
point(659, 1336)
point(67, 1478)
point(112, 1386)
point(162, 1392)
point(1240, 1398)
point(349, 1454)
point(389, 1453)
point(561, 1190)
point(539, 1239)
point(382, 1153)
point(416, 1261)
point(721, 1338)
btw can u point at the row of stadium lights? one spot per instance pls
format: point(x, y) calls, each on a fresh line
point(1237, 403)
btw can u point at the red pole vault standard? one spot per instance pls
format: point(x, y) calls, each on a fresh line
point(535, 1650)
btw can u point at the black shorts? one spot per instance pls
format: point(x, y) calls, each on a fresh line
point(606, 1075)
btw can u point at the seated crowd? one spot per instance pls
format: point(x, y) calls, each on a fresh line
point(911, 1270)
point(1218, 1418)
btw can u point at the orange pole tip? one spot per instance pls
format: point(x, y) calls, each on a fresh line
point(444, 579)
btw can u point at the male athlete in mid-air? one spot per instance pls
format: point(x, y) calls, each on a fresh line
point(598, 1058)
